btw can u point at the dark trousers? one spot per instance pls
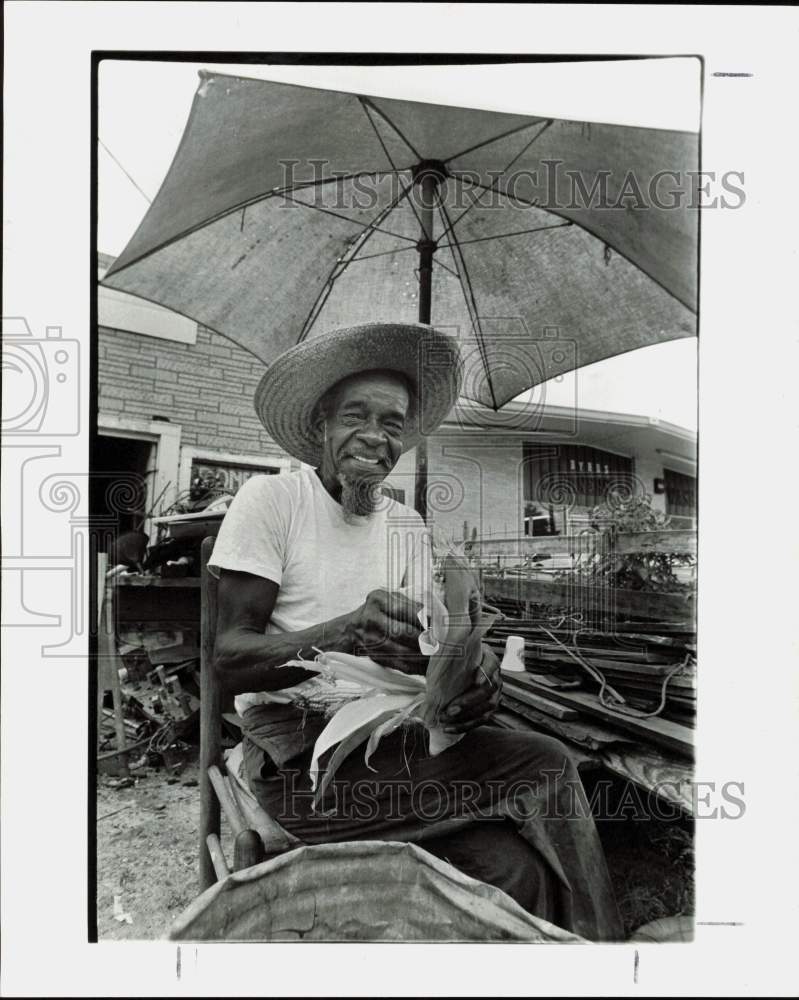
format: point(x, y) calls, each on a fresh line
point(527, 825)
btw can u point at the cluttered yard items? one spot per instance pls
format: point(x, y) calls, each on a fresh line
point(610, 670)
point(149, 613)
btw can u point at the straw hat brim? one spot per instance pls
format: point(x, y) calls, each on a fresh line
point(296, 381)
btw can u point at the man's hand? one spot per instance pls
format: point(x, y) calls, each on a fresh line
point(477, 703)
point(386, 628)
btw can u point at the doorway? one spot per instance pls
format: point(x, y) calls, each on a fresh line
point(120, 481)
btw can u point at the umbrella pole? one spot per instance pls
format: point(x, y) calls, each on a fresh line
point(428, 183)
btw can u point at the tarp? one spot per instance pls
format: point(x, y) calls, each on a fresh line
point(358, 891)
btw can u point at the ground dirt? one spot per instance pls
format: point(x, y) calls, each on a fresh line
point(147, 851)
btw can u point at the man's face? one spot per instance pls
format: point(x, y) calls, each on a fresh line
point(362, 433)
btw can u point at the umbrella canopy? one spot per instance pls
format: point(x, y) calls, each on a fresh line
point(291, 211)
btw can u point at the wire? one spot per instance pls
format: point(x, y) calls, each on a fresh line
point(634, 712)
point(618, 705)
point(132, 181)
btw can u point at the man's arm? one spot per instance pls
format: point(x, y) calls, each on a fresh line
point(385, 627)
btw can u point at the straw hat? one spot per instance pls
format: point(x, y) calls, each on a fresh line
point(297, 380)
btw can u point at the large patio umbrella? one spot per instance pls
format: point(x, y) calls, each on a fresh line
point(544, 244)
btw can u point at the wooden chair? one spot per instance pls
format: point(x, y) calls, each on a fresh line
point(257, 835)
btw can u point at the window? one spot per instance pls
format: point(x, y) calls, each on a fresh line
point(552, 472)
point(680, 493)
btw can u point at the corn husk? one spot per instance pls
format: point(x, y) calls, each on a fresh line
point(381, 699)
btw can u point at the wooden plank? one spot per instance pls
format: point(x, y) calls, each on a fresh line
point(603, 663)
point(584, 758)
point(601, 645)
point(642, 604)
point(229, 806)
point(275, 838)
point(646, 697)
point(218, 862)
point(677, 542)
point(584, 733)
point(653, 689)
point(536, 701)
point(552, 680)
point(670, 735)
point(107, 650)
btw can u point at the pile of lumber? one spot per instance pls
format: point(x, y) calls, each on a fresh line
point(629, 703)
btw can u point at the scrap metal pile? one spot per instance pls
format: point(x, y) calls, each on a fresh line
point(159, 675)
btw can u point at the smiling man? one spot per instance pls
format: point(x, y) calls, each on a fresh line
point(320, 560)
point(362, 420)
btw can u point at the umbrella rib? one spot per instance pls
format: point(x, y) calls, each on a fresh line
point(346, 218)
point(320, 183)
point(471, 304)
point(439, 263)
point(339, 267)
point(237, 208)
point(503, 135)
point(383, 253)
point(597, 236)
point(404, 192)
point(366, 106)
point(505, 169)
point(384, 116)
point(517, 232)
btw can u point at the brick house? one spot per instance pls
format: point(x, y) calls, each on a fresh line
point(175, 401)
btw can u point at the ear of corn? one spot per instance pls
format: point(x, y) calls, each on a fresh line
point(390, 697)
point(452, 670)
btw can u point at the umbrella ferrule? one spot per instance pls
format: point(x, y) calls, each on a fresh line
point(435, 169)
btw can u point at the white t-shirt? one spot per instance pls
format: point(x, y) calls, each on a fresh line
point(287, 528)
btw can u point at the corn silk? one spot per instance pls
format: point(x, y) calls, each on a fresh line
point(366, 701)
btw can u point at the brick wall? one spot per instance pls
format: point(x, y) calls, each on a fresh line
point(207, 387)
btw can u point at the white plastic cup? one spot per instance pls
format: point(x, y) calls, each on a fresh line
point(513, 659)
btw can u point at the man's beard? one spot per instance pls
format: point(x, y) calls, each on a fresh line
point(360, 497)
